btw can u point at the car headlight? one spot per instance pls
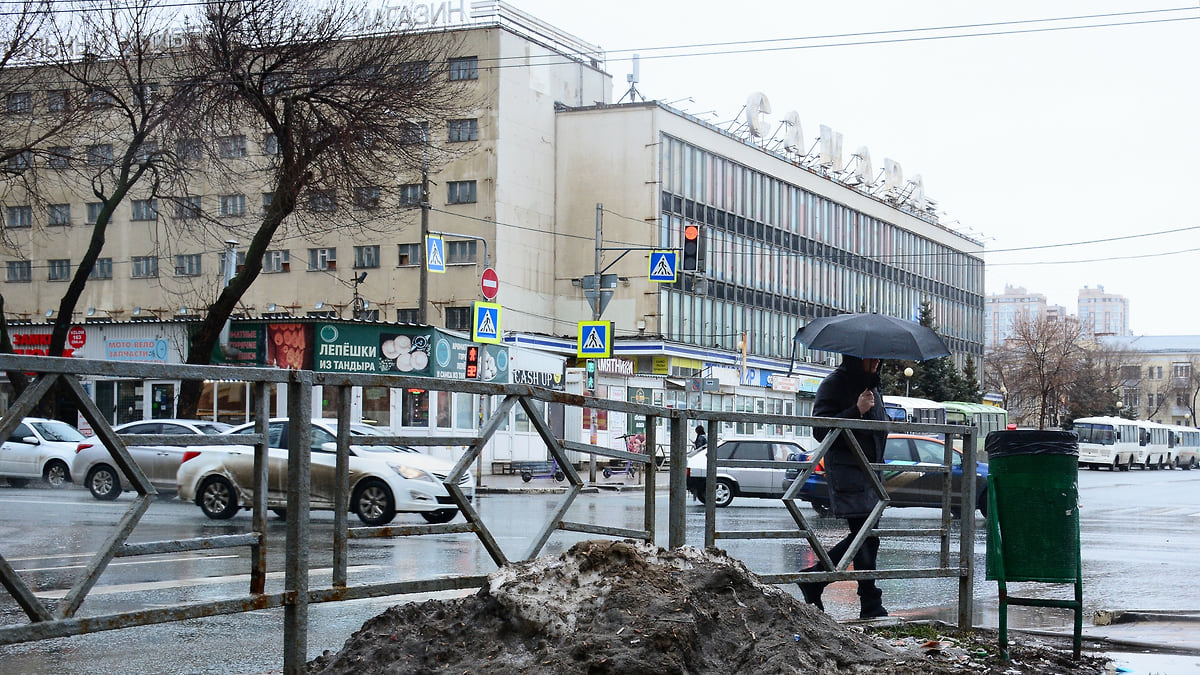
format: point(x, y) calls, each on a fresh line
point(411, 473)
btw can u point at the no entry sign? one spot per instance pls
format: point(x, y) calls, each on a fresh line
point(490, 284)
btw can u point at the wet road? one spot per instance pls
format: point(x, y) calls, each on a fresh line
point(1139, 538)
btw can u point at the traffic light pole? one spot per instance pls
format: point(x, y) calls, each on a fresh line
point(596, 308)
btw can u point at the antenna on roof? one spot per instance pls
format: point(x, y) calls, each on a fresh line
point(633, 79)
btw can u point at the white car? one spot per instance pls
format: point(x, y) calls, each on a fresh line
point(40, 448)
point(384, 480)
point(160, 463)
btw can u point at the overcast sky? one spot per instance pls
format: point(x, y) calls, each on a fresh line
point(1030, 139)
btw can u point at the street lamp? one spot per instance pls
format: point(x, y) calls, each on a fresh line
point(908, 373)
point(1120, 407)
point(1004, 397)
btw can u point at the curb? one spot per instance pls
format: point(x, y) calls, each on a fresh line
point(588, 488)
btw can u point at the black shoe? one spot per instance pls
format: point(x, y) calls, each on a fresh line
point(812, 593)
point(876, 612)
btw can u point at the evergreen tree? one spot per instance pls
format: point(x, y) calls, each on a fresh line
point(968, 389)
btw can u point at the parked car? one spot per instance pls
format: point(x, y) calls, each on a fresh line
point(160, 463)
point(736, 481)
point(40, 448)
point(384, 480)
point(905, 488)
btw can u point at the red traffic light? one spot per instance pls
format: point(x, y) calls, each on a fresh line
point(691, 232)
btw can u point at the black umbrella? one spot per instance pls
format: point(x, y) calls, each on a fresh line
point(873, 336)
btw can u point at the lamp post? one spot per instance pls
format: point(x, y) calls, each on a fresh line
point(1120, 407)
point(908, 373)
point(1004, 397)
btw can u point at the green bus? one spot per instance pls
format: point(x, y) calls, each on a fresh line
point(985, 418)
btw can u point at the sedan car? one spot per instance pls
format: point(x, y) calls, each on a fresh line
point(384, 480)
point(737, 481)
point(160, 463)
point(905, 488)
point(40, 448)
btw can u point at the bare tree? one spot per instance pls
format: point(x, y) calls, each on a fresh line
point(342, 110)
point(1037, 367)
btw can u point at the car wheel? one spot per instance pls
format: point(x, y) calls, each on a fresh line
point(1128, 464)
point(56, 474)
point(1116, 465)
point(103, 483)
point(373, 502)
point(1191, 465)
point(281, 513)
point(439, 516)
point(1174, 463)
point(18, 482)
point(723, 493)
point(1092, 467)
point(1146, 466)
point(217, 498)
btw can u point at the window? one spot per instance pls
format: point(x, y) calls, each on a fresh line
point(188, 207)
point(145, 267)
point(366, 198)
point(268, 198)
point(100, 155)
point(102, 269)
point(414, 72)
point(19, 216)
point(233, 205)
point(19, 270)
point(20, 161)
point(145, 94)
point(407, 315)
point(20, 102)
point(99, 97)
point(322, 200)
point(146, 152)
point(415, 132)
point(93, 212)
point(60, 214)
point(410, 194)
point(458, 318)
point(187, 265)
point(461, 192)
point(271, 144)
point(275, 262)
point(60, 270)
point(145, 209)
point(463, 130)
point(188, 149)
point(322, 258)
point(410, 255)
point(60, 157)
point(58, 100)
point(230, 147)
point(366, 256)
point(460, 252)
point(464, 68)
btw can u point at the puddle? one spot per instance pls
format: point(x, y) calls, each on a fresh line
point(1137, 663)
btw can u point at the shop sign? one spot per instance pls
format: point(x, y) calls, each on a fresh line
point(661, 365)
point(615, 367)
point(538, 378)
point(290, 345)
point(137, 349)
point(784, 383)
point(35, 344)
point(247, 346)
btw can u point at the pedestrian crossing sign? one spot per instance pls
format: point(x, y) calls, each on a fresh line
point(486, 325)
point(663, 267)
point(595, 340)
point(435, 253)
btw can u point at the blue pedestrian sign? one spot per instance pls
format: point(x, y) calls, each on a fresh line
point(435, 253)
point(595, 340)
point(663, 267)
point(486, 325)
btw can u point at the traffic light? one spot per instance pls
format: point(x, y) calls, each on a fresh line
point(691, 248)
point(472, 363)
point(591, 374)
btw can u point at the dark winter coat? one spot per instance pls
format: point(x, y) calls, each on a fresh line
point(850, 490)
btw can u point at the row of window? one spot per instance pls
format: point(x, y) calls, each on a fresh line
point(59, 100)
point(228, 147)
point(274, 262)
point(234, 205)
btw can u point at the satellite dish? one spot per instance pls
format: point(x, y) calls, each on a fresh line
point(49, 313)
point(271, 307)
point(757, 109)
point(137, 311)
point(183, 310)
point(793, 140)
point(319, 305)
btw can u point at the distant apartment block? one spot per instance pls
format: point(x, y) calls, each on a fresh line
point(1102, 313)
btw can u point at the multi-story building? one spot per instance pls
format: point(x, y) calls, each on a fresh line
point(1159, 376)
point(551, 184)
point(1102, 313)
point(1003, 310)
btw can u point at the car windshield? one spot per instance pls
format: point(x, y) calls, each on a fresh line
point(52, 430)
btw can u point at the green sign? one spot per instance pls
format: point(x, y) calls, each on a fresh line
point(349, 348)
point(450, 359)
point(247, 346)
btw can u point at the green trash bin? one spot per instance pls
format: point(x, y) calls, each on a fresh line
point(1033, 519)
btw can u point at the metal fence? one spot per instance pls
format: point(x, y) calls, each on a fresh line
point(297, 596)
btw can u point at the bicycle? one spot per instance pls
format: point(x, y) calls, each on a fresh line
point(633, 443)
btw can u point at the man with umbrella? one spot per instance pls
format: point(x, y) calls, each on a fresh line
point(852, 392)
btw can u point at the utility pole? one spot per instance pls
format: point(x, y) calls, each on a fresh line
point(592, 421)
point(423, 298)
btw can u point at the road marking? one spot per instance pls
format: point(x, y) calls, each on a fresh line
point(120, 564)
point(195, 581)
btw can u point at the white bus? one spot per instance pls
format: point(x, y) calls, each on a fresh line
point(1187, 447)
point(1112, 442)
point(915, 410)
point(1158, 451)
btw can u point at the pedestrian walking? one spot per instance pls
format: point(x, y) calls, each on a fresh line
point(701, 441)
point(851, 392)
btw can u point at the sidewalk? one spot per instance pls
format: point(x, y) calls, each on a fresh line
point(512, 483)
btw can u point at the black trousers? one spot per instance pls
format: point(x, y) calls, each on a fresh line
point(868, 592)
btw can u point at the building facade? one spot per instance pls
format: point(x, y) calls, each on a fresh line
point(1159, 376)
point(1102, 313)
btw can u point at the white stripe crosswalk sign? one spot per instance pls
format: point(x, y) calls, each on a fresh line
point(595, 339)
point(486, 326)
point(663, 267)
point(435, 253)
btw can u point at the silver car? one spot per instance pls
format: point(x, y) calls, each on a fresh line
point(740, 481)
point(160, 463)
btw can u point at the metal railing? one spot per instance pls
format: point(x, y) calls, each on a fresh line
point(297, 595)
